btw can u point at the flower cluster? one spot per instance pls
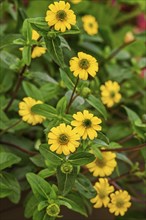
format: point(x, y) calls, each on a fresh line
point(118, 202)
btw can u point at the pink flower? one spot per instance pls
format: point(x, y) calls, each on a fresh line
point(141, 22)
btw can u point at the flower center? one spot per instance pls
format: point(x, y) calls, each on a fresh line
point(53, 210)
point(63, 139)
point(84, 64)
point(87, 123)
point(112, 94)
point(100, 162)
point(90, 25)
point(102, 194)
point(119, 203)
point(61, 15)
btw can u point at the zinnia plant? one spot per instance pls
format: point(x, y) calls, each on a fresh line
point(73, 122)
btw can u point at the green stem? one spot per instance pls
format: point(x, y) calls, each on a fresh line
point(72, 97)
point(11, 126)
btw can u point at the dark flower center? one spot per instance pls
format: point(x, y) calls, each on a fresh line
point(119, 203)
point(112, 94)
point(87, 123)
point(102, 194)
point(61, 15)
point(84, 64)
point(63, 139)
point(90, 25)
point(100, 162)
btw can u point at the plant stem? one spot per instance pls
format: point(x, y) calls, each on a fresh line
point(115, 52)
point(72, 96)
point(19, 82)
point(122, 149)
point(11, 126)
point(31, 153)
point(125, 139)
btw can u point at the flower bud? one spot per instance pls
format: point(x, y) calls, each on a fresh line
point(66, 168)
point(53, 210)
point(85, 92)
point(129, 37)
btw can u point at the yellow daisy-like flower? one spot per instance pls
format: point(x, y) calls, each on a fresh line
point(35, 35)
point(86, 124)
point(60, 16)
point(120, 202)
point(110, 93)
point(83, 65)
point(103, 167)
point(26, 113)
point(75, 1)
point(63, 139)
point(103, 190)
point(38, 51)
point(90, 24)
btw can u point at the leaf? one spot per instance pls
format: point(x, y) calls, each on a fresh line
point(42, 205)
point(65, 78)
point(26, 54)
point(85, 187)
point(132, 115)
point(81, 158)
point(8, 40)
point(54, 46)
point(66, 181)
point(8, 58)
point(30, 207)
point(38, 215)
point(40, 187)
point(32, 91)
point(96, 151)
point(49, 155)
point(27, 31)
point(10, 183)
point(47, 172)
point(40, 25)
point(61, 105)
point(8, 159)
point(124, 158)
point(38, 160)
point(45, 110)
point(74, 30)
point(97, 104)
point(74, 202)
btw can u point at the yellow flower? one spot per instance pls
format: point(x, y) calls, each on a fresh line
point(38, 51)
point(110, 93)
point(120, 202)
point(60, 16)
point(63, 139)
point(26, 113)
point(90, 24)
point(86, 124)
point(35, 35)
point(83, 65)
point(103, 167)
point(75, 1)
point(103, 190)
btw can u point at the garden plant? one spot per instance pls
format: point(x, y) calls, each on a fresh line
point(73, 120)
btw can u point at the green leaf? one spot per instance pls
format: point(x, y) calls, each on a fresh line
point(38, 160)
point(66, 181)
point(96, 151)
point(132, 115)
point(97, 104)
point(61, 105)
point(47, 172)
point(74, 30)
point(8, 58)
point(40, 187)
point(81, 158)
point(45, 110)
point(26, 54)
point(75, 203)
point(32, 91)
point(49, 155)
point(54, 46)
point(124, 158)
point(40, 25)
point(84, 186)
point(8, 159)
point(42, 205)
point(10, 183)
point(65, 78)
point(30, 207)
point(7, 41)
point(27, 31)
point(38, 215)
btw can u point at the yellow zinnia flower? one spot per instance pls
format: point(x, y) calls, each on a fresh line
point(103, 190)
point(103, 167)
point(26, 113)
point(90, 24)
point(60, 16)
point(83, 65)
point(120, 202)
point(63, 139)
point(75, 1)
point(110, 93)
point(86, 124)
